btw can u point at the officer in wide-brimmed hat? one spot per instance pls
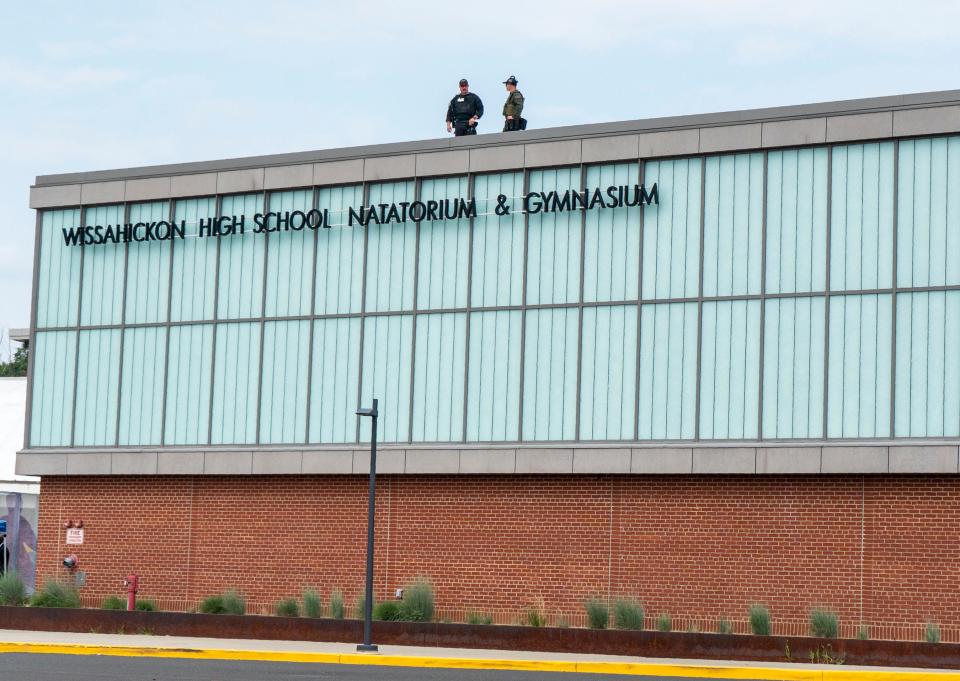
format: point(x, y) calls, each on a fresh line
point(513, 107)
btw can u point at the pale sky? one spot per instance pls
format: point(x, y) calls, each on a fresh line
point(93, 85)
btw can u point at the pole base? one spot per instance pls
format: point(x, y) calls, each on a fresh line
point(364, 648)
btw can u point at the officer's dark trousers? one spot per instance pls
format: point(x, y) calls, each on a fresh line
point(511, 124)
point(461, 128)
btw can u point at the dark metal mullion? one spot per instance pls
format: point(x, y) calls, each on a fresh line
point(76, 348)
point(123, 326)
point(582, 259)
point(641, 172)
point(365, 196)
point(171, 214)
point(523, 305)
point(417, 187)
point(893, 283)
point(763, 292)
point(471, 181)
point(826, 298)
point(263, 313)
point(218, 210)
point(312, 322)
point(703, 213)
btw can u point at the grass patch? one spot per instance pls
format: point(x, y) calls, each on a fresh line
point(598, 613)
point(478, 618)
point(824, 623)
point(863, 633)
point(287, 607)
point(337, 609)
point(113, 603)
point(760, 623)
point(665, 622)
point(533, 617)
point(56, 594)
point(312, 605)
point(387, 611)
point(146, 605)
point(228, 603)
point(418, 601)
point(931, 633)
point(628, 614)
point(12, 589)
point(724, 626)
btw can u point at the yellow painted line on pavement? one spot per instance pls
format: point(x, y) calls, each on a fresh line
point(624, 668)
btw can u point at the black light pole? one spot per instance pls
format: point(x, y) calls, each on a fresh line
point(367, 645)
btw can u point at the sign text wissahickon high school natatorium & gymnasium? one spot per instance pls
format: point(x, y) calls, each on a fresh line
point(601, 353)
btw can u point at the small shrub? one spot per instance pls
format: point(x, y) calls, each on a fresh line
point(56, 594)
point(598, 613)
point(312, 605)
point(825, 655)
point(337, 610)
point(227, 603)
point(760, 620)
point(287, 607)
point(233, 603)
point(533, 617)
point(863, 632)
point(12, 589)
point(693, 628)
point(931, 634)
point(113, 603)
point(724, 626)
point(360, 607)
point(627, 614)
point(665, 622)
point(387, 611)
point(562, 623)
point(212, 605)
point(146, 605)
point(824, 623)
point(418, 601)
point(478, 618)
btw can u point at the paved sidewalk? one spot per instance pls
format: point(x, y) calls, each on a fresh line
point(345, 653)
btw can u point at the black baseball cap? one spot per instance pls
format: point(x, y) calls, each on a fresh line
point(512, 80)
point(463, 81)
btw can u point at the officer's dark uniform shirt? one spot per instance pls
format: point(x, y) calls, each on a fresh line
point(462, 108)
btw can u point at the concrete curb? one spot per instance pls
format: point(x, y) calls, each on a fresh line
point(624, 668)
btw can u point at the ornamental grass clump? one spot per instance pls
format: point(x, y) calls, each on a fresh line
point(760, 620)
point(478, 618)
point(228, 603)
point(418, 601)
point(146, 605)
point(533, 617)
point(387, 611)
point(113, 603)
point(12, 589)
point(628, 614)
point(824, 623)
point(56, 594)
point(724, 626)
point(931, 633)
point(337, 609)
point(598, 613)
point(287, 607)
point(665, 622)
point(863, 633)
point(312, 605)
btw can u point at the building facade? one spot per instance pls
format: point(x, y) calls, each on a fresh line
point(602, 355)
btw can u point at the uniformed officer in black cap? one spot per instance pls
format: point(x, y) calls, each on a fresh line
point(513, 107)
point(464, 111)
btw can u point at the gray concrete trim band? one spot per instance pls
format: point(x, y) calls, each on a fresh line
point(843, 120)
point(879, 458)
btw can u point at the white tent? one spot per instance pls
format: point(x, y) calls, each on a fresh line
point(13, 404)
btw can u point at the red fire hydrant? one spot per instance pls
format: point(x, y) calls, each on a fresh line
point(131, 582)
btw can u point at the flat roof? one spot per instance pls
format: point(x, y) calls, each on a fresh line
point(764, 115)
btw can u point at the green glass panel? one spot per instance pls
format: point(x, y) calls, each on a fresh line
point(141, 391)
point(242, 257)
point(668, 371)
point(194, 263)
point(283, 400)
point(671, 229)
point(493, 400)
point(188, 385)
point(98, 369)
point(438, 377)
point(612, 239)
point(498, 242)
point(339, 253)
point(289, 255)
point(334, 380)
point(58, 281)
point(609, 373)
point(54, 371)
point(235, 383)
point(148, 268)
point(103, 267)
point(550, 374)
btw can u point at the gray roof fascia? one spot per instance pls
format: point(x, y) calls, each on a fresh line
point(780, 113)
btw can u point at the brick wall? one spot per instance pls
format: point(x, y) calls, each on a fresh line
point(881, 550)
